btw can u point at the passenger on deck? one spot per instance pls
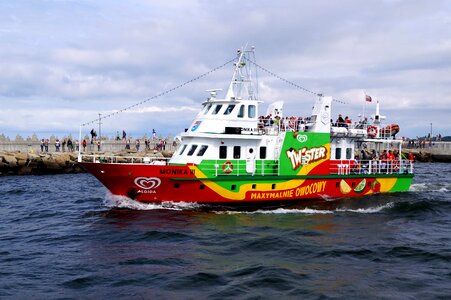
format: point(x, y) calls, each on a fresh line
point(301, 126)
point(356, 167)
point(348, 122)
point(340, 121)
point(375, 161)
point(383, 161)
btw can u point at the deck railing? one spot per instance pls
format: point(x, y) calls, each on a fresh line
point(111, 159)
point(239, 167)
point(345, 167)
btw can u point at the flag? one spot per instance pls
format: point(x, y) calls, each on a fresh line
point(368, 98)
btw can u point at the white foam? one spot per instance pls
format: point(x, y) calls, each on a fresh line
point(369, 210)
point(418, 187)
point(279, 211)
point(114, 201)
point(428, 187)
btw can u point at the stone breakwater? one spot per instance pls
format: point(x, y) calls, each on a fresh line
point(29, 163)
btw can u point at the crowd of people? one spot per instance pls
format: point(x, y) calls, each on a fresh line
point(386, 162)
point(282, 123)
point(60, 146)
point(294, 123)
point(347, 123)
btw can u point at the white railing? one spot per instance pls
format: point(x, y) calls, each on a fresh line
point(112, 159)
point(345, 167)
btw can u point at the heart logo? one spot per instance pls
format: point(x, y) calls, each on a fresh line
point(302, 138)
point(148, 183)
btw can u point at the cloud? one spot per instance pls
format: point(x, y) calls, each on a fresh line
point(66, 61)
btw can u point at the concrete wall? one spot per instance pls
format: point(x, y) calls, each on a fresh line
point(106, 146)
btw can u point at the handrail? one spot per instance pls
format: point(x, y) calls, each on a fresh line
point(115, 159)
point(344, 167)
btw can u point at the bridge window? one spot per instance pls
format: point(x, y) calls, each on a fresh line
point(236, 152)
point(217, 109)
point(263, 152)
point(348, 153)
point(202, 150)
point(206, 108)
point(182, 149)
point(229, 109)
point(191, 151)
point(337, 153)
point(222, 152)
point(241, 112)
point(251, 112)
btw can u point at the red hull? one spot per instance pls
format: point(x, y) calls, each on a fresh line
point(152, 183)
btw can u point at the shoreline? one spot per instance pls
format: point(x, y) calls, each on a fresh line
point(46, 163)
point(43, 163)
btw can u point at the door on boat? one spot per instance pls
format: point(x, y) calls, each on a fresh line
point(250, 160)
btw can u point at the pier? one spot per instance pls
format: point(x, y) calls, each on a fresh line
point(25, 156)
point(437, 151)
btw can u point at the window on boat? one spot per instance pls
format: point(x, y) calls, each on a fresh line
point(263, 152)
point(222, 152)
point(191, 151)
point(217, 109)
point(251, 111)
point(206, 108)
point(182, 149)
point(337, 153)
point(202, 150)
point(241, 112)
point(236, 152)
point(348, 153)
point(229, 109)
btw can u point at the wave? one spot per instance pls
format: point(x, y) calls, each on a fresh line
point(429, 187)
point(368, 210)
point(114, 201)
point(277, 211)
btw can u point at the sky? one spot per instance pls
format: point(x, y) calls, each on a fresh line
point(62, 62)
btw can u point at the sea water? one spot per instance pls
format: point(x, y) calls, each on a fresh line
point(65, 236)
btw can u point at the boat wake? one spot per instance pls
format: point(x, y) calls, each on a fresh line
point(429, 187)
point(369, 210)
point(114, 201)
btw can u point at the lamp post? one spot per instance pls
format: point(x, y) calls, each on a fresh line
point(431, 131)
point(100, 131)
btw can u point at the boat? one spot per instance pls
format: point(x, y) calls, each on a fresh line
point(233, 154)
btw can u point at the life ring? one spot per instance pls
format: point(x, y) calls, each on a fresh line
point(227, 167)
point(372, 131)
point(395, 166)
point(391, 130)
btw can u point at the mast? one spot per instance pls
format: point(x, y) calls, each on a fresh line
point(242, 84)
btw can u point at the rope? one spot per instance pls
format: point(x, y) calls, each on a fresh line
point(161, 94)
point(290, 82)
